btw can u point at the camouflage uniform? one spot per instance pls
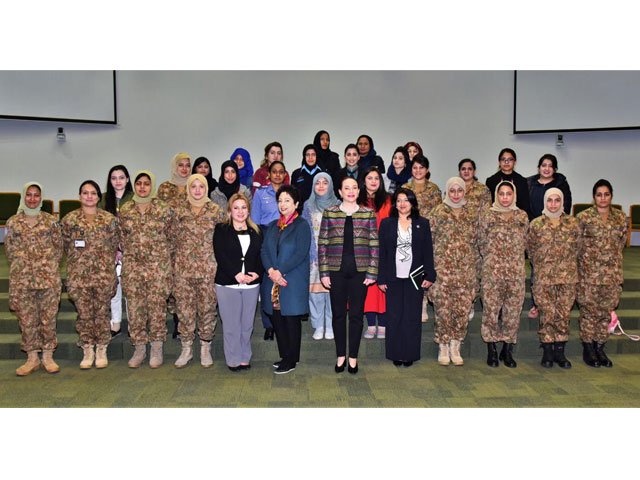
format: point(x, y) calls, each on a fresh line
point(502, 243)
point(553, 250)
point(195, 270)
point(599, 270)
point(34, 254)
point(454, 243)
point(91, 278)
point(146, 268)
point(478, 197)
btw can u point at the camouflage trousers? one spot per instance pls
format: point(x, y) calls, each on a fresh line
point(596, 303)
point(508, 296)
point(452, 304)
point(554, 303)
point(94, 314)
point(195, 303)
point(146, 306)
point(36, 311)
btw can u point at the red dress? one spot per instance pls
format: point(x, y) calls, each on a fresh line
point(376, 298)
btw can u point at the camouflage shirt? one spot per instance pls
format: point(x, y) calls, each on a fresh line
point(554, 250)
point(600, 247)
point(34, 252)
point(193, 240)
point(454, 244)
point(171, 194)
point(478, 195)
point(90, 248)
point(427, 198)
point(502, 242)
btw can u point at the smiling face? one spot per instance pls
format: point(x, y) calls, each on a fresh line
point(184, 168)
point(554, 203)
point(32, 197)
point(467, 172)
point(364, 147)
point(351, 157)
point(507, 163)
point(286, 205)
point(310, 157)
point(372, 182)
point(203, 169)
point(603, 197)
point(455, 193)
point(118, 180)
point(349, 191)
point(419, 172)
point(89, 196)
point(546, 169)
point(239, 211)
point(239, 161)
point(143, 186)
point(403, 205)
point(505, 196)
point(230, 175)
point(197, 190)
point(321, 186)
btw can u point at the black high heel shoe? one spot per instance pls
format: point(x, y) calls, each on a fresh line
point(268, 334)
point(398, 363)
point(352, 370)
point(340, 368)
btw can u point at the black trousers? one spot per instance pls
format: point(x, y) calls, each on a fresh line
point(404, 325)
point(288, 330)
point(347, 290)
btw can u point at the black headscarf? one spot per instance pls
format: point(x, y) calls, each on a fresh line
point(210, 180)
point(367, 160)
point(229, 189)
point(324, 156)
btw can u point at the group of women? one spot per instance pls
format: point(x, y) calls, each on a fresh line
point(332, 244)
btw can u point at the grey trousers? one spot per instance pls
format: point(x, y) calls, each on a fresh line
point(237, 312)
point(320, 311)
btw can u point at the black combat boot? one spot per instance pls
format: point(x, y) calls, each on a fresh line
point(547, 355)
point(492, 354)
point(506, 355)
point(558, 355)
point(589, 355)
point(176, 334)
point(603, 360)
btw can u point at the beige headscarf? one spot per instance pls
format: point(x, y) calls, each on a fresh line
point(451, 182)
point(205, 198)
point(31, 212)
point(152, 194)
point(496, 207)
point(176, 179)
point(547, 194)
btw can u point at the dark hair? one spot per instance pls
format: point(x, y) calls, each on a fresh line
point(405, 154)
point(210, 181)
point(414, 144)
point(345, 177)
point(508, 150)
point(379, 198)
point(140, 175)
point(415, 210)
point(94, 185)
point(268, 147)
point(350, 146)
point(292, 191)
point(311, 146)
point(548, 156)
point(33, 185)
point(369, 139)
point(508, 184)
point(467, 160)
point(279, 162)
point(110, 200)
point(602, 183)
point(424, 161)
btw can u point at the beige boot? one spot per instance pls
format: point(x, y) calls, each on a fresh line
point(185, 355)
point(48, 363)
point(425, 312)
point(101, 356)
point(30, 366)
point(443, 354)
point(205, 354)
point(156, 355)
point(89, 357)
point(138, 357)
point(454, 352)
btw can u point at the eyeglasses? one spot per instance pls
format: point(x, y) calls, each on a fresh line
point(507, 160)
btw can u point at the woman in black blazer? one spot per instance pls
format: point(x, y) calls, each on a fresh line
point(237, 245)
point(405, 269)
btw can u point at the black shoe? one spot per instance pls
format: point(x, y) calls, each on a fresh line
point(235, 369)
point(268, 334)
point(245, 367)
point(589, 355)
point(547, 355)
point(558, 355)
point(352, 370)
point(115, 334)
point(407, 364)
point(175, 334)
point(340, 368)
point(492, 355)
point(277, 364)
point(603, 360)
point(506, 355)
point(398, 363)
point(284, 368)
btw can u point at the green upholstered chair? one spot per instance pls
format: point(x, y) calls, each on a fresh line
point(9, 202)
point(66, 206)
point(579, 207)
point(634, 222)
point(47, 206)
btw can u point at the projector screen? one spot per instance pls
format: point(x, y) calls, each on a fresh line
point(63, 96)
point(569, 101)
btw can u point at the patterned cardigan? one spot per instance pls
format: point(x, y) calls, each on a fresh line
point(365, 241)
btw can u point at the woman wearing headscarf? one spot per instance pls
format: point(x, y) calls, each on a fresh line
point(400, 171)
point(245, 167)
point(552, 244)
point(506, 172)
point(90, 237)
point(194, 270)
point(228, 185)
point(329, 161)
point(302, 178)
point(351, 167)
point(603, 233)
point(145, 238)
point(202, 165)
point(454, 226)
point(322, 197)
point(33, 244)
point(368, 155)
point(502, 236)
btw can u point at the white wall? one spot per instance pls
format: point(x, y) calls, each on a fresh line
point(451, 114)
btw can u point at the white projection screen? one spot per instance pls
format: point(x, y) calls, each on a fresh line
point(64, 96)
point(570, 101)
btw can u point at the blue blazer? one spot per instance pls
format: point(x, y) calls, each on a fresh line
point(421, 249)
point(290, 255)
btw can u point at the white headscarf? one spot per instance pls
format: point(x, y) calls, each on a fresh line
point(497, 207)
point(31, 212)
point(451, 182)
point(547, 194)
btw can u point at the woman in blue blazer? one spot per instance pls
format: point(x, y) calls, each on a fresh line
point(405, 247)
point(285, 287)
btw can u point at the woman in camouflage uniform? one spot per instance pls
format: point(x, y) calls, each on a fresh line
point(34, 248)
point(90, 238)
point(603, 233)
point(502, 235)
point(145, 234)
point(194, 270)
point(454, 230)
point(552, 244)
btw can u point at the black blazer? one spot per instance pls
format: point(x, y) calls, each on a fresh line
point(228, 252)
point(421, 249)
